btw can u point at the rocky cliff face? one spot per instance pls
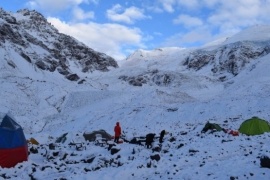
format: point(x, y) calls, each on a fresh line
point(216, 62)
point(230, 58)
point(28, 34)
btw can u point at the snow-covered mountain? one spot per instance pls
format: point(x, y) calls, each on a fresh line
point(176, 89)
point(27, 36)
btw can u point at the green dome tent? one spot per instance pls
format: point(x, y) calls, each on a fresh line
point(254, 126)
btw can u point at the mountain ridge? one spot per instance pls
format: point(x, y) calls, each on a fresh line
point(28, 34)
point(226, 58)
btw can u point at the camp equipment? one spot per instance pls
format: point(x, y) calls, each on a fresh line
point(211, 126)
point(94, 135)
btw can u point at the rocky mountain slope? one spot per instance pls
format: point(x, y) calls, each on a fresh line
point(230, 58)
point(222, 61)
point(28, 36)
point(175, 89)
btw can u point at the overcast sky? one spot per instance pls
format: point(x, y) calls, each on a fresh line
point(118, 27)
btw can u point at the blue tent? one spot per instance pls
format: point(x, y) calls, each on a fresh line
point(13, 145)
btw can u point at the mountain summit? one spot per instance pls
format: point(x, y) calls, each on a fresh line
point(254, 33)
point(27, 36)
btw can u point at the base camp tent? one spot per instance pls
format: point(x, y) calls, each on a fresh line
point(254, 126)
point(13, 145)
point(91, 136)
point(211, 126)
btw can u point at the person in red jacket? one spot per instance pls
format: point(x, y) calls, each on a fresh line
point(117, 132)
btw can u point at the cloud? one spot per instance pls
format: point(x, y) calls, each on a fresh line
point(188, 21)
point(110, 39)
point(54, 5)
point(190, 4)
point(211, 3)
point(94, 1)
point(58, 6)
point(79, 14)
point(196, 37)
point(129, 15)
point(245, 13)
point(171, 5)
point(218, 19)
point(167, 5)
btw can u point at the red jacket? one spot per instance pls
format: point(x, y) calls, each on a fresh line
point(117, 130)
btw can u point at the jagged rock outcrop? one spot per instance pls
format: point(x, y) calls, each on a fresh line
point(153, 77)
point(158, 78)
point(30, 35)
point(231, 58)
